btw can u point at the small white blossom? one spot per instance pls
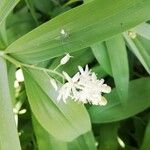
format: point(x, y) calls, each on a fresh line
point(19, 75)
point(84, 87)
point(65, 59)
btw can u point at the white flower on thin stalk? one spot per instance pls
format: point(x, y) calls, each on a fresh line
point(84, 87)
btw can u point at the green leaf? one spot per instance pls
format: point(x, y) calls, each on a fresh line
point(46, 41)
point(63, 121)
point(84, 142)
point(3, 34)
point(139, 50)
point(44, 140)
point(22, 21)
point(71, 2)
point(99, 71)
point(46, 7)
point(138, 100)
point(8, 132)
point(100, 52)
point(11, 69)
point(108, 137)
point(5, 7)
point(30, 5)
point(146, 140)
point(143, 30)
point(119, 64)
point(146, 44)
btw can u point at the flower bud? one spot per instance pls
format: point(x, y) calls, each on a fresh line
point(19, 75)
point(65, 59)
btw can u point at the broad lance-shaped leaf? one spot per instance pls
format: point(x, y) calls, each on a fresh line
point(108, 136)
point(63, 121)
point(145, 43)
point(84, 142)
point(146, 139)
point(142, 53)
point(119, 64)
point(9, 139)
point(5, 7)
point(138, 100)
point(96, 21)
point(143, 30)
point(100, 52)
point(45, 141)
point(11, 78)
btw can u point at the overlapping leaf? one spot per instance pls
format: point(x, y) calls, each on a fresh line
point(143, 30)
point(8, 133)
point(117, 55)
point(141, 52)
point(63, 121)
point(146, 138)
point(100, 52)
point(44, 140)
point(138, 100)
point(103, 21)
point(5, 7)
point(108, 136)
point(85, 141)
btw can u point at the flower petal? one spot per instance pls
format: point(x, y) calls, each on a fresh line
point(103, 101)
point(81, 69)
point(105, 88)
point(76, 77)
point(66, 76)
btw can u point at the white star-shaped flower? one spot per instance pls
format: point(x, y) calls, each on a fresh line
point(84, 87)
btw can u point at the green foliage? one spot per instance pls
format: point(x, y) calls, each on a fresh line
point(115, 111)
point(112, 37)
point(8, 132)
point(5, 7)
point(56, 118)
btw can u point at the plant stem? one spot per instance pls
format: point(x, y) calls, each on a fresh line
point(19, 64)
point(57, 67)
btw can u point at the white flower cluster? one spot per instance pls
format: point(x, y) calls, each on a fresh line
point(84, 87)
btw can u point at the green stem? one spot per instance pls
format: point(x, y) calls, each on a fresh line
point(57, 67)
point(19, 64)
point(12, 60)
point(9, 139)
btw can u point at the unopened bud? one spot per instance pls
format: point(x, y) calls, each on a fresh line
point(65, 59)
point(19, 75)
